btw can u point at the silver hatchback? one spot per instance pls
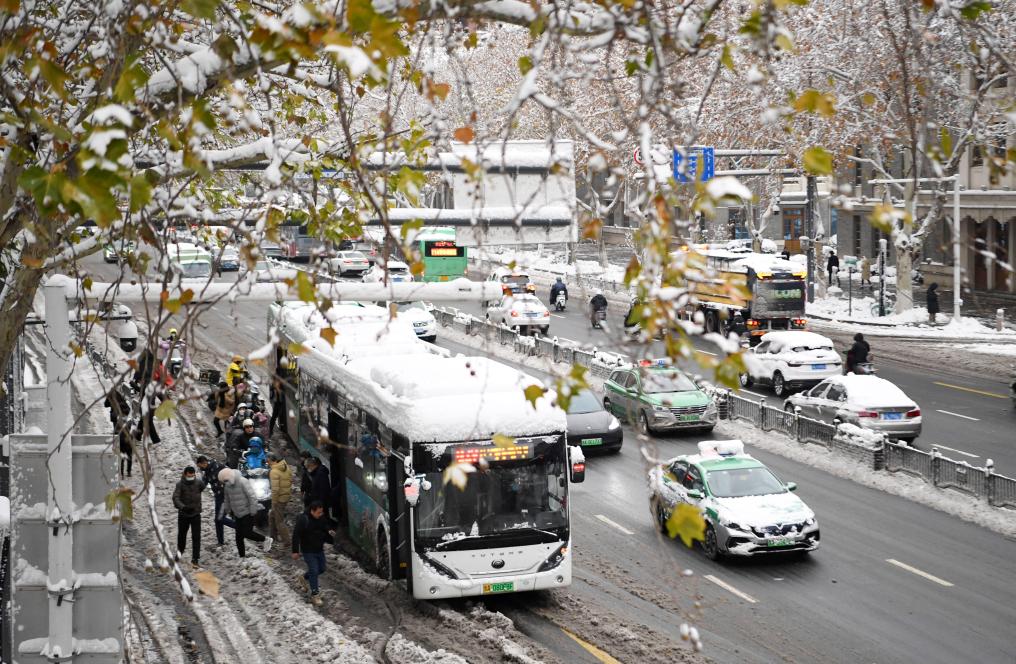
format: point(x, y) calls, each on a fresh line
point(867, 401)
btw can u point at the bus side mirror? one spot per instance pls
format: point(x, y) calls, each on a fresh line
point(412, 487)
point(577, 464)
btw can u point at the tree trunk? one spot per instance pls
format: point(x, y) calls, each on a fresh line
point(904, 284)
point(19, 298)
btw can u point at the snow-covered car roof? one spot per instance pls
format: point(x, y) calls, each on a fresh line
point(872, 391)
point(797, 338)
point(396, 265)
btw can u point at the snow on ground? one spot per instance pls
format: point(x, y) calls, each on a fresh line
point(912, 323)
point(549, 261)
point(994, 350)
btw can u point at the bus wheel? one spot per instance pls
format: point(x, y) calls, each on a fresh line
point(384, 558)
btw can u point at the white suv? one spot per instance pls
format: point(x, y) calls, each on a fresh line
point(791, 360)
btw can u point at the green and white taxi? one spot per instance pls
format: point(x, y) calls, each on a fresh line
point(658, 397)
point(747, 509)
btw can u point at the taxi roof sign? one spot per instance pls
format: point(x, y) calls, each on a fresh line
point(723, 448)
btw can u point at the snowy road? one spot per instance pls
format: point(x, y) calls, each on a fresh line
point(847, 603)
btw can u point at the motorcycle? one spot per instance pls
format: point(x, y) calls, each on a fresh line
point(865, 369)
point(262, 487)
point(560, 302)
point(599, 316)
point(176, 358)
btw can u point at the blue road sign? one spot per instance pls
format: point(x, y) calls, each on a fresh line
point(705, 156)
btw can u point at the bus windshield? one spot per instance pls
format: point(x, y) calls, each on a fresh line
point(196, 269)
point(511, 502)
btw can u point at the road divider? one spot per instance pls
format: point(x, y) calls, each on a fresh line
point(918, 572)
point(730, 589)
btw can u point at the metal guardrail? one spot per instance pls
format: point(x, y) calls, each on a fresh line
point(942, 472)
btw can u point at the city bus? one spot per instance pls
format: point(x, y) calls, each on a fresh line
point(443, 473)
point(443, 260)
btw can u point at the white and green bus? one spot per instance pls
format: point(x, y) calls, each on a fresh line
point(195, 261)
point(443, 473)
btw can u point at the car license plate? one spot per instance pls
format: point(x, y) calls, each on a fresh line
point(532, 314)
point(592, 441)
point(687, 418)
point(892, 416)
point(818, 367)
point(503, 587)
point(779, 541)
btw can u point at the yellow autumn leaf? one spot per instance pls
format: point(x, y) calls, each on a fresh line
point(458, 474)
point(296, 349)
point(533, 392)
point(208, 584)
point(329, 334)
point(165, 410)
point(501, 440)
point(686, 521)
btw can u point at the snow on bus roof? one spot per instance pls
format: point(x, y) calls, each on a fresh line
point(758, 262)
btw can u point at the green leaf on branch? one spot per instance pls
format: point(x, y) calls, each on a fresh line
point(525, 64)
point(817, 161)
point(813, 101)
point(120, 503)
point(165, 410)
point(975, 9)
point(305, 288)
point(727, 57)
point(200, 8)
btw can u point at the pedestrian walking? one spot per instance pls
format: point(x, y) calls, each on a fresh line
point(240, 501)
point(119, 407)
point(304, 475)
point(210, 471)
point(281, 478)
point(832, 267)
point(187, 500)
point(278, 396)
point(310, 533)
point(933, 307)
point(865, 271)
point(224, 406)
point(320, 486)
point(123, 429)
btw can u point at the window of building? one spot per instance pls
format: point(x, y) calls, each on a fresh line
point(856, 244)
point(976, 156)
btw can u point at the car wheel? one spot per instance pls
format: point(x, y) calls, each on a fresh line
point(644, 424)
point(779, 385)
point(746, 380)
point(710, 546)
point(660, 515)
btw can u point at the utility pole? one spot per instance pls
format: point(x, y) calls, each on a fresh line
point(809, 231)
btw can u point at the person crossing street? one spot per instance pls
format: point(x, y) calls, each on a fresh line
point(281, 478)
point(187, 500)
point(310, 533)
point(210, 471)
point(241, 502)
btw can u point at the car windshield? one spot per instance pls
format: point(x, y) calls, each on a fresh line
point(405, 306)
point(196, 269)
point(352, 256)
point(397, 269)
point(522, 501)
point(525, 299)
point(584, 402)
point(740, 482)
point(802, 348)
point(657, 382)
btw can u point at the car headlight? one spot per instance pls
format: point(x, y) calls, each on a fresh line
point(658, 409)
point(810, 522)
point(733, 525)
point(613, 424)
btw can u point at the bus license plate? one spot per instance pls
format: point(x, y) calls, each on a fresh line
point(779, 541)
point(592, 441)
point(818, 367)
point(504, 587)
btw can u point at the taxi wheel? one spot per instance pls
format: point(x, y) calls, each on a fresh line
point(779, 385)
point(644, 424)
point(660, 515)
point(709, 545)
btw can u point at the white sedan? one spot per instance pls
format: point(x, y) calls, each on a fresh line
point(395, 271)
point(348, 262)
point(790, 360)
point(418, 313)
point(521, 311)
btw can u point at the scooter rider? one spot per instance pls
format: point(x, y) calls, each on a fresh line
point(556, 288)
point(596, 304)
point(858, 353)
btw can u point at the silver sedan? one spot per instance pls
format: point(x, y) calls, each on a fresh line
point(867, 401)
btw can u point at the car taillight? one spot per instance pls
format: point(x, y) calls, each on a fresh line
point(752, 324)
point(799, 323)
point(514, 313)
point(914, 413)
point(867, 413)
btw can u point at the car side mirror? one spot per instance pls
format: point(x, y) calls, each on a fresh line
point(695, 494)
point(791, 486)
point(577, 464)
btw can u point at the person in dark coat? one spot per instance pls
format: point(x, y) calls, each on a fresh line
point(238, 443)
point(123, 428)
point(320, 484)
point(832, 267)
point(210, 471)
point(187, 500)
point(310, 533)
point(304, 474)
point(119, 407)
point(933, 307)
point(278, 396)
point(558, 287)
point(858, 353)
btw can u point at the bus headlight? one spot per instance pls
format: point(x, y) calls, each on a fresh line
point(555, 559)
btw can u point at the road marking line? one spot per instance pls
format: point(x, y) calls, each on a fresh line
point(953, 449)
point(558, 316)
point(948, 412)
point(614, 523)
point(914, 570)
point(970, 389)
point(705, 352)
point(731, 589)
point(591, 649)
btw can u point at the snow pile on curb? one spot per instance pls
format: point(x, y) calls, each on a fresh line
point(851, 434)
point(550, 262)
point(835, 312)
